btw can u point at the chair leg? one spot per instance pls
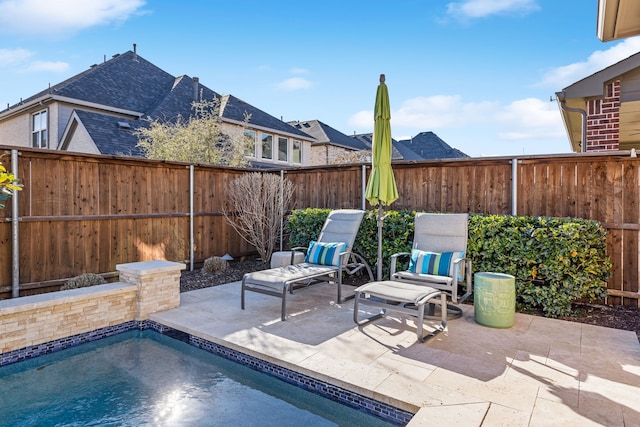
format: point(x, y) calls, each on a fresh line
point(356, 317)
point(283, 312)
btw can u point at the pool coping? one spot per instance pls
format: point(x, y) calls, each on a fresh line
point(327, 390)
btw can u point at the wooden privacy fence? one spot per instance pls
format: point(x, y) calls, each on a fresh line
point(84, 213)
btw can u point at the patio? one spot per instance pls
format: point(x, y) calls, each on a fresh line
point(540, 372)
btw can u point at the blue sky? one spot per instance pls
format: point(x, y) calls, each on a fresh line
point(478, 73)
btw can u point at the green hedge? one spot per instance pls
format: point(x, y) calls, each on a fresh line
point(555, 260)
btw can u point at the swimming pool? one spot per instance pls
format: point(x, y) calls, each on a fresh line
point(144, 378)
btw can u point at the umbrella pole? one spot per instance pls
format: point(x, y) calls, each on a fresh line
point(380, 220)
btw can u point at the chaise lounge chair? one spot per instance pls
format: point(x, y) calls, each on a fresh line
point(326, 260)
point(437, 264)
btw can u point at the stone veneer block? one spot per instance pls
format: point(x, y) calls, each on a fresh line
point(158, 284)
point(32, 320)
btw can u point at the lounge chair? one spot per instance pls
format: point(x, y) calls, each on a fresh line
point(326, 260)
point(440, 234)
point(437, 262)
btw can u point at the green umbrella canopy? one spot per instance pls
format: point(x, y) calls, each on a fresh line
point(381, 188)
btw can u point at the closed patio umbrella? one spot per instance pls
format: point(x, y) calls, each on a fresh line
point(381, 188)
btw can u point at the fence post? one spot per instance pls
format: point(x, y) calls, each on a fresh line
point(15, 247)
point(191, 226)
point(514, 186)
point(363, 186)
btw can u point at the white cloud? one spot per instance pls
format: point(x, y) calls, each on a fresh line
point(294, 83)
point(529, 118)
point(433, 112)
point(299, 71)
point(62, 16)
point(54, 66)
point(566, 75)
point(13, 56)
point(471, 9)
point(521, 119)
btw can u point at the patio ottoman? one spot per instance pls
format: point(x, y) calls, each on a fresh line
point(494, 299)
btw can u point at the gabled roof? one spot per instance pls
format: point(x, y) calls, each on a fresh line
point(325, 134)
point(573, 99)
point(112, 135)
point(593, 85)
point(125, 81)
point(428, 146)
point(129, 86)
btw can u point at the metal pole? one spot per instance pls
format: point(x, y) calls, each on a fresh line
point(191, 225)
point(364, 186)
point(15, 245)
point(282, 209)
point(380, 224)
point(514, 186)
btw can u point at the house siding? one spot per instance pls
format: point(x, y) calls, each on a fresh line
point(324, 154)
point(16, 131)
point(81, 141)
point(603, 120)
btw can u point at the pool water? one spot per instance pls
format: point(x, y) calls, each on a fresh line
point(143, 378)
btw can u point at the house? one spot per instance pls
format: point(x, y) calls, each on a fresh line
point(330, 144)
point(423, 146)
point(603, 109)
point(427, 146)
point(99, 110)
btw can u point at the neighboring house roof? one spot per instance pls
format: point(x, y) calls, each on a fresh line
point(428, 145)
point(367, 139)
point(573, 99)
point(325, 134)
point(112, 135)
point(233, 108)
point(128, 86)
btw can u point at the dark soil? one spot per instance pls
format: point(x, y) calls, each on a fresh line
point(617, 317)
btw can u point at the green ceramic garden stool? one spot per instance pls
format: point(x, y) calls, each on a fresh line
point(494, 299)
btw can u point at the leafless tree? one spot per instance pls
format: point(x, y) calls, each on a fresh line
point(258, 202)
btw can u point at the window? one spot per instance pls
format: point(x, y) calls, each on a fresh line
point(250, 143)
point(297, 152)
point(267, 146)
point(39, 130)
point(283, 149)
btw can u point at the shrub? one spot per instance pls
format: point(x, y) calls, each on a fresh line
point(258, 202)
point(555, 261)
point(83, 280)
point(214, 264)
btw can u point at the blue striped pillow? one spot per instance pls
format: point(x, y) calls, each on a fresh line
point(438, 264)
point(325, 253)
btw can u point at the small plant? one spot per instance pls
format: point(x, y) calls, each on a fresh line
point(83, 280)
point(8, 184)
point(214, 264)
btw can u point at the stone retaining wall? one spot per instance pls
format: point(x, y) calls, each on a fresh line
point(145, 288)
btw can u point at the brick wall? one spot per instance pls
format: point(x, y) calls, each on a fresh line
point(603, 120)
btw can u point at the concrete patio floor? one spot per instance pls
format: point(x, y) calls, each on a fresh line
point(540, 372)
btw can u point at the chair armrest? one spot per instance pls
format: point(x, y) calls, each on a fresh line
point(297, 249)
point(394, 260)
